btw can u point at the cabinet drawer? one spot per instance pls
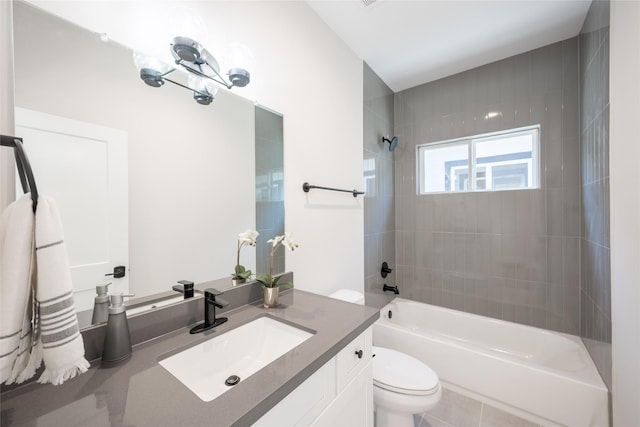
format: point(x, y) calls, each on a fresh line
point(348, 362)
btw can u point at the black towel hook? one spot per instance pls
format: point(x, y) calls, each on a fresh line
point(24, 167)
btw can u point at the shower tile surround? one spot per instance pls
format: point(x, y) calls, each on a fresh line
point(539, 257)
point(595, 292)
point(512, 255)
point(379, 208)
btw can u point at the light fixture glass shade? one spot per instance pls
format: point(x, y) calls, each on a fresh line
point(151, 69)
point(149, 34)
point(186, 22)
point(238, 61)
point(204, 90)
point(142, 60)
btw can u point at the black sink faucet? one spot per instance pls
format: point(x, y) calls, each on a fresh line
point(210, 304)
point(185, 287)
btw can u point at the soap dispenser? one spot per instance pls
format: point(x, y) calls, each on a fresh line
point(101, 304)
point(117, 341)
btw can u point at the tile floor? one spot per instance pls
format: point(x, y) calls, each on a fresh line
point(456, 410)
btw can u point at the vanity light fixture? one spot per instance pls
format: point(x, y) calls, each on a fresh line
point(203, 69)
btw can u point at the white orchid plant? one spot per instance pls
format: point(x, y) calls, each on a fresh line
point(267, 279)
point(247, 238)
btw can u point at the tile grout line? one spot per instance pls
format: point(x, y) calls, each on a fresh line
point(423, 419)
point(481, 413)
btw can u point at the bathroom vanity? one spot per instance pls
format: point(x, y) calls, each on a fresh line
point(325, 380)
point(339, 393)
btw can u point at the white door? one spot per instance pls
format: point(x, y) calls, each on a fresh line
point(84, 168)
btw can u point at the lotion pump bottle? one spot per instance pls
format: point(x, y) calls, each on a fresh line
point(101, 304)
point(117, 341)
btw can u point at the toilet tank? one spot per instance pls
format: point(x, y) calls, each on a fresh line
point(348, 295)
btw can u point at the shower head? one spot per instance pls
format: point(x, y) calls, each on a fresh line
point(393, 142)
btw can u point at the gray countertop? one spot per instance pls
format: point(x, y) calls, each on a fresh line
point(142, 393)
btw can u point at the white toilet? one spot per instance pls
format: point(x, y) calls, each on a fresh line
point(402, 385)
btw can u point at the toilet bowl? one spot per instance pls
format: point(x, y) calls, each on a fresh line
point(402, 385)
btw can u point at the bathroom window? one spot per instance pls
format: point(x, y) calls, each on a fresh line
point(505, 160)
point(369, 169)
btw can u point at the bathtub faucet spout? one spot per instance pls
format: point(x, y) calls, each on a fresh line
point(393, 289)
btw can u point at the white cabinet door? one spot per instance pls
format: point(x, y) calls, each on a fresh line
point(84, 168)
point(338, 394)
point(306, 402)
point(354, 406)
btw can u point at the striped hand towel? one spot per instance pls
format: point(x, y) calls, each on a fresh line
point(17, 274)
point(58, 333)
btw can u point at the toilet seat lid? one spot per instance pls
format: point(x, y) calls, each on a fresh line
point(401, 373)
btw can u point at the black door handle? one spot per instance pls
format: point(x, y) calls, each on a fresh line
point(359, 353)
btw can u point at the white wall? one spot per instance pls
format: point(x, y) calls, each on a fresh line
point(7, 189)
point(309, 75)
point(625, 210)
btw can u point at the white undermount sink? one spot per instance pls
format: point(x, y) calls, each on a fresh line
point(242, 351)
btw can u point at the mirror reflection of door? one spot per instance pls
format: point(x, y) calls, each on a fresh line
point(84, 168)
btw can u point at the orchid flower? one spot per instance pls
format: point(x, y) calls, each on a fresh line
point(247, 238)
point(267, 279)
point(288, 242)
point(275, 242)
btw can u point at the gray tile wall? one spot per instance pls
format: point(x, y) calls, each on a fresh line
point(269, 188)
point(595, 292)
point(379, 210)
point(512, 255)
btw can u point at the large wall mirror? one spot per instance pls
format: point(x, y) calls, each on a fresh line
point(143, 177)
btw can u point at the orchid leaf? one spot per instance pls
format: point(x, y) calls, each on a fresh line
point(264, 279)
point(287, 285)
point(241, 272)
point(275, 280)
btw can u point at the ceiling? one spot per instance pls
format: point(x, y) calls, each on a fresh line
point(411, 42)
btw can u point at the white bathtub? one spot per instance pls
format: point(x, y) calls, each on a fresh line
point(544, 376)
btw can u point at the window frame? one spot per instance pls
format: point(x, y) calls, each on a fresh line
point(470, 142)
